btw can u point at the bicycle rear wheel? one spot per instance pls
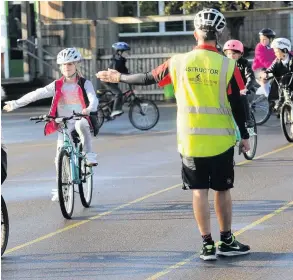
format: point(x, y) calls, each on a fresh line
point(86, 185)
point(252, 140)
point(100, 117)
point(4, 226)
point(287, 122)
point(143, 114)
point(65, 185)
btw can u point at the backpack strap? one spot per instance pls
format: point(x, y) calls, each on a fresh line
point(81, 82)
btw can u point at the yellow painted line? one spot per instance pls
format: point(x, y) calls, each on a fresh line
point(88, 220)
point(255, 223)
point(121, 207)
point(264, 218)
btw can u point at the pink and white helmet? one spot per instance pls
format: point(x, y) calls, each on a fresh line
point(234, 45)
point(68, 55)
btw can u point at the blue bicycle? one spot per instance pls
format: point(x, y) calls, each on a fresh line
point(252, 139)
point(72, 167)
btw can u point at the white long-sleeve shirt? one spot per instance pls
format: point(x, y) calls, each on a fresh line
point(68, 102)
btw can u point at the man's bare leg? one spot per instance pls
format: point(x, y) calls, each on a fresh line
point(201, 210)
point(223, 208)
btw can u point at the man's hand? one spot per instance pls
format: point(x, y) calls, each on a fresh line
point(243, 91)
point(8, 107)
point(244, 143)
point(110, 76)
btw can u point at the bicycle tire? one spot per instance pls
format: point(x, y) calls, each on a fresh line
point(100, 117)
point(137, 103)
point(66, 211)
point(251, 154)
point(4, 225)
point(85, 199)
point(286, 109)
point(266, 117)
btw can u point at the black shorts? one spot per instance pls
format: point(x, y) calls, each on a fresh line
point(215, 172)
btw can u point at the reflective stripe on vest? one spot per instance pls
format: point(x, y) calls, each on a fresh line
point(208, 110)
point(211, 131)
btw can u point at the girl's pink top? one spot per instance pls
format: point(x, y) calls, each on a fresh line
point(263, 57)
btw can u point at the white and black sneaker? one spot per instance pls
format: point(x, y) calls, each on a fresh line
point(208, 252)
point(234, 248)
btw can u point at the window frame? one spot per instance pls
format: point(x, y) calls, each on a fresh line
point(162, 26)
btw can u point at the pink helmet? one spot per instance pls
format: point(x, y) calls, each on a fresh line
point(234, 45)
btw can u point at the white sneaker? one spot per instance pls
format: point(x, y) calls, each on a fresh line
point(55, 196)
point(116, 113)
point(91, 159)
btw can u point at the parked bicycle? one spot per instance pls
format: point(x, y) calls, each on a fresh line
point(143, 114)
point(72, 167)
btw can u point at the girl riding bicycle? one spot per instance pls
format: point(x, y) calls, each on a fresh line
point(234, 49)
point(70, 93)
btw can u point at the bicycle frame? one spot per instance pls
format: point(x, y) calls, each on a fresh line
point(73, 152)
point(126, 95)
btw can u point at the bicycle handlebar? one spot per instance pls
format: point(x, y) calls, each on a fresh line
point(46, 118)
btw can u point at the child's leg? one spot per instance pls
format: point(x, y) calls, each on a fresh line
point(83, 129)
point(59, 145)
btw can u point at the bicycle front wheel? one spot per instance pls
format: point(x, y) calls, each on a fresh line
point(261, 109)
point(65, 185)
point(287, 122)
point(4, 226)
point(252, 140)
point(143, 114)
point(86, 185)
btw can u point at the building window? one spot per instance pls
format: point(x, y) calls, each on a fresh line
point(174, 9)
point(147, 8)
point(128, 9)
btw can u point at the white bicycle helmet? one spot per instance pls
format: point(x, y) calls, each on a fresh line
point(68, 55)
point(210, 19)
point(282, 44)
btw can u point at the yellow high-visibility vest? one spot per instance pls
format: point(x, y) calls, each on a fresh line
point(204, 117)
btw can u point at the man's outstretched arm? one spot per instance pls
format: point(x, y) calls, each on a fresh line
point(158, 75)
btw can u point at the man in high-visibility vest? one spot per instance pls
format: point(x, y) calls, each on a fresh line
point(207, 89)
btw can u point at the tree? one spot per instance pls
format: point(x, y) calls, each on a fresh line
point(233, 24)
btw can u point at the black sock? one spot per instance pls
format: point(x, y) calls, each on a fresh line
point(226, 236)
point(207, 238)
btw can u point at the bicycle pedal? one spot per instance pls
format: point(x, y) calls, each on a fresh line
point(92, 165)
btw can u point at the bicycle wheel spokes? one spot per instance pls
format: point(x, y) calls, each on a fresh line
point(261, 109)
point(144, 115)
point(287, 122)
point(252, 141)
point(4, 226)
point(65, 185)
point(86, 186)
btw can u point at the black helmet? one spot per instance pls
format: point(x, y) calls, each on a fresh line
point(268, 33)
